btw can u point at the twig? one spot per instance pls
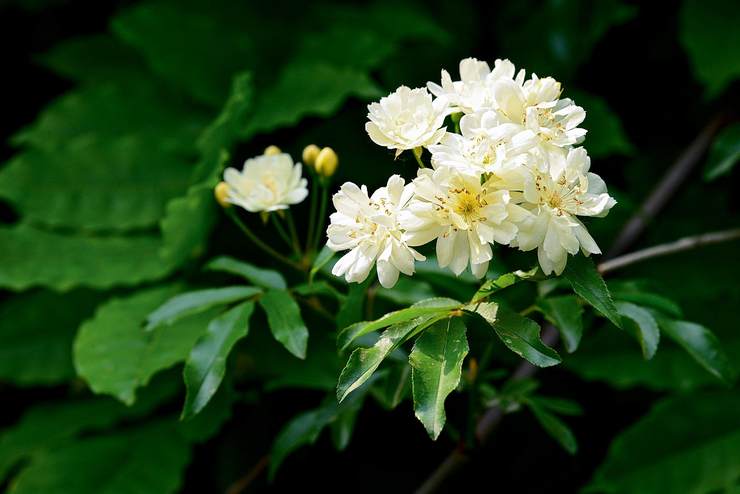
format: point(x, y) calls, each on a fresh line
point(244, 482)
point(680, 245)
point(631, 231)
point(259, 243)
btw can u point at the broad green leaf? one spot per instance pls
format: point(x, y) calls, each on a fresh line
point(206, 364)
point(364, 361)
point(266, 278)
point(319, 288)
point(554, 427)
point(111, 184)
point(432, 306)
point(566, 314)
point(708, 31)
point(646, 299)
point(702, 345)
point(211, 419)
point(32, 257)
point(406, 291)
point(724, 153)
point(588, 284)
point(605, 133)
point(393, 387)
point(197, 51)
point(308, 89)
point(322, 258)
point(351, 308)
point(286, 323)
point(688, 444)
point(116, 356)
point(504, 281)
point(189, 303)
point(357, 46)
point(124, 108)
point(642, 325)
point(520, 334)
point(436, 366)
point(38, 329)
point(147, 459)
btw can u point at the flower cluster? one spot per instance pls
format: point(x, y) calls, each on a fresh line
point(509, 174)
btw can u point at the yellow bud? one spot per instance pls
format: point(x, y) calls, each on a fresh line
point(327, 162)
point(221, 192)
point(272, 150)
point(310, 153)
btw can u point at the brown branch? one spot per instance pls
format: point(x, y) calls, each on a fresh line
point(665, 189)
point(245, 481)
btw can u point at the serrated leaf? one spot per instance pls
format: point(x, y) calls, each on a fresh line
point(644, 327)
point(31, 257)
point(589, 285)
point(286, 323)
point(702, 345)
point(555, 427)
point(688, 444)
point(95, 184)
point(436, 366)
point(206, 364)
point(114, 354)
point(707, 30)
point(266, 278)
point(432, 306)
point(36, 345)
point(566, 314)
point(189, 303)
point(308, 89)
point(147, 459)
point(520, 334)
point(605, 133)
point(724, 153)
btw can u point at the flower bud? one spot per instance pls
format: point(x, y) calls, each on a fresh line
point(272, 150)
point(327, 162)
point(221, 192)
point(310, 153)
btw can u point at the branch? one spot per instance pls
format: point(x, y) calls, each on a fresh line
point(686, 243)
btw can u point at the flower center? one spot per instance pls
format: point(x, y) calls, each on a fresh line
point(467, 204)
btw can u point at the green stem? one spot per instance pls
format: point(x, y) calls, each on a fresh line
point(279, 227)
point(312, 213)
point(293, 233)
point(259, 243)
point(417, 154)
point(320, 217)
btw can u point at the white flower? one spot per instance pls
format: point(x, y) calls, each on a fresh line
point(555, 198)
point(406, 119)
point(487, 145)
point(536, 105)
point(463, 215)
point(266, 183)
point(368, 226)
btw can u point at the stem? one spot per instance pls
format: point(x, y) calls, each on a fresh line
point(320, 217)
point(293, 233)
point(312, 214)
point(244, 482)
point(686, 243)
point(280, 230)
point(417, 154)
point(259, 243)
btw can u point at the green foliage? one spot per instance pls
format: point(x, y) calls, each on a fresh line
point(724, 153)
point(566, 314)
point(641, 324)
point(605, 133)
point(587, 283)
point(266, 278)
point(436, 366)
point(554, 427)
point(285, 321)
point(708, 31)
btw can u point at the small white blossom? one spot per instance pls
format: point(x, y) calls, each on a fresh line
point(463, 215)
point(266, 183)
point(406, 119)
point(555, 198)
point(368, 227)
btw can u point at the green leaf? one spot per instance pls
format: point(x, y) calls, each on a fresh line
point(189, 303)
point(702, 345)
point(520, 334)
point(394, 386)
point(308, 89)
point(688, 444)
point(504, 281)
point(436, 366)
point(286, 323)
point(211, 419)
point(36, 345)
point(351, 309)
point(642, 325)
point(605, 133)
point(708, 29)
point(147, 459)
point(629, 292)
point(588, 284)
point(364, 361)
point(197, 51)
point(322, 258)
point(558, 405)
point(724, 153)
point(554, 427)
point(95, 184)
point(406, 291)
point(116, 356)
point(266, 278)
point(206, 364)
point(566, 314)
point(31, 257)
point(432, 306)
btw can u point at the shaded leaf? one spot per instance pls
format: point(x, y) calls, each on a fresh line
point(588, 284)
point(322, 258)
point(724, 153)
point(605, 133)
point(642, 325)
point(504, 281)
point(267, 278)
point(554, 427)
point(566, 314)
point(286, 323)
